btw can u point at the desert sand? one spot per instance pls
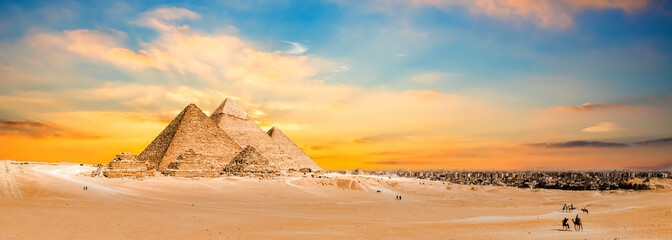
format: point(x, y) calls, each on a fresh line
point(47, 201)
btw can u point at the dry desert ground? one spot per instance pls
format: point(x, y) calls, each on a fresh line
point(47, 201)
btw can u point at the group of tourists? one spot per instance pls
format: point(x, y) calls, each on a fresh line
point(568, 208)
point(578, 226)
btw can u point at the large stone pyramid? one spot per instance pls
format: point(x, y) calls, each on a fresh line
point(235, 122)
point(190, 133)
point(295, 153)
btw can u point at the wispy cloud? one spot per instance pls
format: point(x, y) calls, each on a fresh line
point(163, 19)
point(432, 77)
point(342, 68)
point(296, 48)
point(656, 141)
point(551, 14)
point(36, 129)
point(603, 127)
point(579, 143)
point(593, 106)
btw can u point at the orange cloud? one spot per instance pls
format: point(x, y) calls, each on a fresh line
point(551, 14)
point(579, 143)
point(35, 129)
point(593, 106)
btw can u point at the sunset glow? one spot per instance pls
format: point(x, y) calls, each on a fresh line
point(383, 84)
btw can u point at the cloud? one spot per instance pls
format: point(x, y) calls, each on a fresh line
point(342, 68)
point(214, 57)
point(551, 14)
point(35, 129)
point(296, 49)
point(603, 127)
point(429, 78)
point(575, 144)
point(586, 107)
point(163, 19)
point(664, 140)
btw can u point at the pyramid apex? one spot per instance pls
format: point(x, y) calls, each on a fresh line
point(230, 107)
point(273, 129)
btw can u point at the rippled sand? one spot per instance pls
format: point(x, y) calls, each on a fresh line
point(46, 201)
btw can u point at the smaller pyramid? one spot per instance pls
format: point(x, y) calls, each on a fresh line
point(191, 137)
point(245, 132)
point(249, 162)
point(295, 153)
point(231, 108)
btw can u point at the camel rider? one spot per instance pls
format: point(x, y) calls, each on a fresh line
point(564, 221)
point(577, 220)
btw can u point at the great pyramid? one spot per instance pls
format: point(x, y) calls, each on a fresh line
point(190, 133)
point(235, 122)
point(290, 148)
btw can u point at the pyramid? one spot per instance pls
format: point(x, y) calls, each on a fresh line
point(190, 133)
point(295, 153)
point(235, 122)
point(249, 161)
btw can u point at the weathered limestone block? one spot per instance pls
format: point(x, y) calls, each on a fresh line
point(250, 162)
point(126, 165)
point(192, 164)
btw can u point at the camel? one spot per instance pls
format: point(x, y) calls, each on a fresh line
point(565, 224)
point(577, 224)
point(584, 210)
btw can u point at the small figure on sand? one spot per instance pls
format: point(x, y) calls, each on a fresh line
point(565, 224)
point(584, 210)
point(564, 208)
point(577, 223)
point(398, 197)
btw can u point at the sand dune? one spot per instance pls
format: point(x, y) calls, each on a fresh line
point(46, 201)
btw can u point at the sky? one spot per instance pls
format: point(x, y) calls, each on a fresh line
point(377, 84)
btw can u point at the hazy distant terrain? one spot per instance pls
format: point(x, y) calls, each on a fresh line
point(47, 201)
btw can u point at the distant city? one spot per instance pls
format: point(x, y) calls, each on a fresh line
point(564, 180)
